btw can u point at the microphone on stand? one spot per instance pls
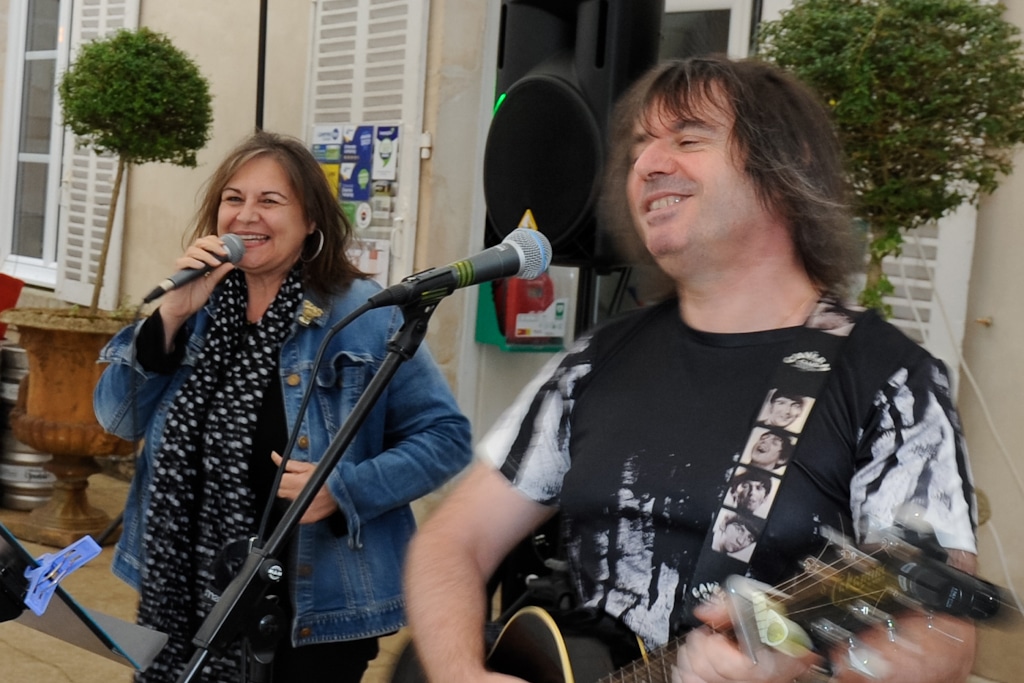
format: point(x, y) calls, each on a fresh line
point(524, 253)
point(236, 250)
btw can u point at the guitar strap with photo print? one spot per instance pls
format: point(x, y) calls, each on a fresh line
point(754, 482)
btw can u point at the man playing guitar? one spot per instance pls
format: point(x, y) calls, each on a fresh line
point(734, 183)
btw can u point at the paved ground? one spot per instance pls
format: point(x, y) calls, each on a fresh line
point(28, 656)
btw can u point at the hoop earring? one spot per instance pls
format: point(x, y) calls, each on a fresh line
point(319, 248)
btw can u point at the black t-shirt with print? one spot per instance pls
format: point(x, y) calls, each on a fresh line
point(650, 417)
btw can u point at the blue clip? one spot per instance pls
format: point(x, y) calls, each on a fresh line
point(53, 568)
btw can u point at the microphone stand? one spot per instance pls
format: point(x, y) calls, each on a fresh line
point(243, 608)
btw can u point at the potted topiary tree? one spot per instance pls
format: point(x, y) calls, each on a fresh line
point(928, 98)
point(135, 96)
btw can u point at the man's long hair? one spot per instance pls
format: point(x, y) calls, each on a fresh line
point(782, 133)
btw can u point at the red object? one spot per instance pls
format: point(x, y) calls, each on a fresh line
point(514, 296)
point(10, 290)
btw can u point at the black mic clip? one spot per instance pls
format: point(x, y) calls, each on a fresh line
point(426, 287)
point(523, 253)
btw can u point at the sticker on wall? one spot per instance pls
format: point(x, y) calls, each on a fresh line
point(356, 163)
point(382, 200)
point(329, 158)
point(364, 215)
point(385, 153)
point(327, 151)
point(372, 256)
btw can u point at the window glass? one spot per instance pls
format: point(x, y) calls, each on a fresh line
point(43, 22)
point(27, 165)
point(690, 34)
point(30, 210)
point(37, 106)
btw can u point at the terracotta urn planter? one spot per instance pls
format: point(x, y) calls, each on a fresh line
point(54, 414)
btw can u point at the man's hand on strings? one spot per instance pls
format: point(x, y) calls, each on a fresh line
point(709, 655)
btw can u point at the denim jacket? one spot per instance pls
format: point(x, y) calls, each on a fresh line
point(412, 441)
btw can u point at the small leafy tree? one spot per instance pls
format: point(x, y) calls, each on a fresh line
point(928, 99)
point(136, 96)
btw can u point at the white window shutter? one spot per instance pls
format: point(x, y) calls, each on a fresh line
point(88, 179)
point(368, 66)
point(931, 279)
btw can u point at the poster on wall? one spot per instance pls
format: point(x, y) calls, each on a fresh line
point(356, 163)
point(372, 256)
point(327, 151)
point(361, 164)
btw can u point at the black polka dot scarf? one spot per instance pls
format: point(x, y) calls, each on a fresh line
point(200, 498)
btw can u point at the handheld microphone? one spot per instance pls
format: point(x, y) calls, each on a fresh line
point(236, 250)
point(525, 254)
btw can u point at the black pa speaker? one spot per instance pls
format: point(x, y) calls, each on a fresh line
point(561, 65)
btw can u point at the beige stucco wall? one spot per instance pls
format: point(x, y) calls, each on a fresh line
point(462, 51)
point(449, 185)
point(222, 37)
point(992, 412)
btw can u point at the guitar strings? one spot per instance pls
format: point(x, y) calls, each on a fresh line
point(663, 657)
point(661, 660)
point(806, 582)
point(810, 581)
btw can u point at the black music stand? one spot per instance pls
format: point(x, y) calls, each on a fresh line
point(129, 644)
